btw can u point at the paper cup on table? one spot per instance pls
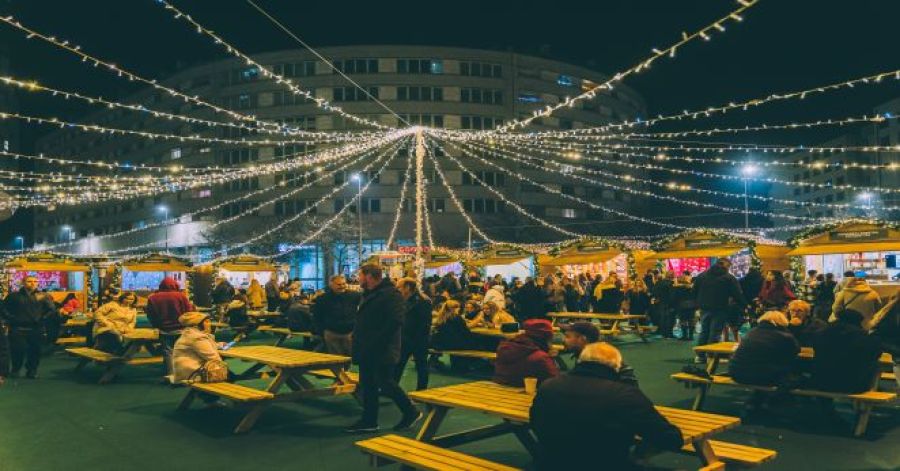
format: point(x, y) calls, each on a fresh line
point(530, 386)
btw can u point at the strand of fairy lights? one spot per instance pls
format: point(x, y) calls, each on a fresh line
point(456, 202)
point(674, 186)
point(328, 223)
point(120, 72)
point(425, 212)
point(704, 33)
point(663, 157)
point(320, 177)
point(289, 84)
point(33, 86)
point(107, 165)
point(403, 190)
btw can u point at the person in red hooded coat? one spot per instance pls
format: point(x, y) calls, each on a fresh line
point(526, 355)
point(164, 307)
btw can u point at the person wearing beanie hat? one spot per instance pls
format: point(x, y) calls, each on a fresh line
point(164, 307)
point(195, 346)
point(527, 355)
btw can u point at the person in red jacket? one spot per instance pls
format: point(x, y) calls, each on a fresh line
point(164, 307)
point(776, 292)
point(526, 356)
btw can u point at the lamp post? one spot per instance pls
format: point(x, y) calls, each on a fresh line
point(165, 210)
point(21, 241)
point(358, 179)
point(748, 170)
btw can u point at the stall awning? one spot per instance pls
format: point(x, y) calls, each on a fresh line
point(157, 267)
point(46, 266)
point(481, 262)
point(697, 253)
point(582, 258)
point(825, 249)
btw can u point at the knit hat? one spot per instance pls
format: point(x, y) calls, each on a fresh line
point(192, 318)
point(587, 329)
point(539, 329)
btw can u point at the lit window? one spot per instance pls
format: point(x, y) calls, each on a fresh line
point(437, 67)
point(568, 213)
point(175, 153)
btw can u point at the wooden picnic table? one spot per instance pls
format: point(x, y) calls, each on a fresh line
point(513, 407)
point(134, 342)
point(262, 314)
point(715, 352)
point(291, 368)
point(614, 324)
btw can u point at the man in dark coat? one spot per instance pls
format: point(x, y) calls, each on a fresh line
point(767, 354)
point(529, 301)
point(415, 332)
point(272, 292)
point(164, 307)
point(846, 357)
point(334, 315)
point(589, 419)
point(716, 290)
point(526, 355)
point(376, 349)
point(221, 294)
point(24, 314)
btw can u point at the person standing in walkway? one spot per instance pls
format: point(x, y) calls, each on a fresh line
point(376, 349)
point(222, 293)
point(334, 315)
point(272, 293)
point(416, 331)
point(715, 291)
point(164, 307)
point(25, 315)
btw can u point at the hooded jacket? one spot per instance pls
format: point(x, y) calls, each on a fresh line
point(589, 414)
point(529, 301)
point(416, 324)
point(165, 306)
point(523, 357)
point(715, 289)
point(335, 312)
point(496, 296)
point(376, 335)
point(256, 295)
point(192, 350)
point(846, 359)
point(765, 355)
point(860, 297)
point(24, 309)
point(114, 317)
point(221, 293)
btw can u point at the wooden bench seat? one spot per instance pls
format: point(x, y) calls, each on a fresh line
point(93, 354)
point(888, 376)
point(328, 374)
point(419, 455)
point(740, 454)
point(284, 331)
point(863, 402)
point(71, 341)
point(232, 391)
point(490, 356)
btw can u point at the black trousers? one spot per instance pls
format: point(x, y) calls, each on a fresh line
point(420, 356)
point(25, 348)
point(375, 380)
point(109, 343)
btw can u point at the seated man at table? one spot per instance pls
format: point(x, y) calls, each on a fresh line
point(803, 325)
point(846, 356)
point(588, 419)
point(581, 334)
point(526, 355)
point(767, 354)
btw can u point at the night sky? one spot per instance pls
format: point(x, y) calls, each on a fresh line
point(780, 46)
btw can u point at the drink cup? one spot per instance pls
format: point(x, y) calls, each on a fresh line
point(531, 386)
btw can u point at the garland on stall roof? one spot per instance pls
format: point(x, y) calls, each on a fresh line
point(794, 240)
point(751, 242)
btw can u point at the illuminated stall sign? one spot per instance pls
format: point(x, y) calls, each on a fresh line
point(854, 236)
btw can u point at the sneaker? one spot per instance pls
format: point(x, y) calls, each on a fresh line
point(362, 427)
point(409, 420)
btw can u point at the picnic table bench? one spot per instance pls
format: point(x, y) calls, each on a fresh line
point(135, 342)
point(419, 455)
point(512, 406)
point(283, 334)
point(611, 324)
point(290, 368)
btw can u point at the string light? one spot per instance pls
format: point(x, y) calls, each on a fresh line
point(643, 65)
point(289, 84)
point(456, 202)
point(403, 189)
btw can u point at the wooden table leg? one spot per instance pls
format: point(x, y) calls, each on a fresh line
point(712, 363)
point(112, 370)
point(707, 456)
point(433, 420)
point(186, 402)
point(523, 433)
point(862, 419)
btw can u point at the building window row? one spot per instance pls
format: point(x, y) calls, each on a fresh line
point(353, 94)
point(356, 66)
point(240, 156)
point(432, 120)
point(295, 69)
point(243, 184)
point(480, 122)
point(233, 209)
point(489, 178)
point(481, 95)
point(420, 94)
point(293, 207)
point(420, 66)
point(293, 179)
point(482, 206)
point(480, 69)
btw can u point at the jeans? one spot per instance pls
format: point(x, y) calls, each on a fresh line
point(25, 348)
point(712, 322)
point(338, 344)
point(109, 342)
point(167, 341)
point(375, 379)
point(420, 356)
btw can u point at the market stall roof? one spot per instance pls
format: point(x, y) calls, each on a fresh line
point(694, 244)
point(724, 251)
point(583, 253)
point(45, 262)
point(850, 238)
point(500, 256)
point(438, 260)
point(247, 263)
point(157, 262)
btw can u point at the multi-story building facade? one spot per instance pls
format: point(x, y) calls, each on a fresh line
point(812, 182)
point(440, 87)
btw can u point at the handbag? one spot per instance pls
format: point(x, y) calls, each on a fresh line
point(213, 371)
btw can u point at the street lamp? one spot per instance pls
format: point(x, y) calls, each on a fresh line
point(21, 241)
point(748, 170)
point(358, 179)
point(165, 210)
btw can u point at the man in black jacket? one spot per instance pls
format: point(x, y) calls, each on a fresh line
point(24, 314)
point(376, 349)
point(334, 314)
point(716, 290)
point(272, 294)
point(846, 358)
point(415, 332)
point(589, 419)
point(222, 293)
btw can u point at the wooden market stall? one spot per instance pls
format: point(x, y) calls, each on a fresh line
point(57, 274)
point(441, 263)
point(590, 256)
point(396, 264)
point(695, 251)
point(241, 269)
point(869, 249)
point(506, 261)
point(142, 275)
